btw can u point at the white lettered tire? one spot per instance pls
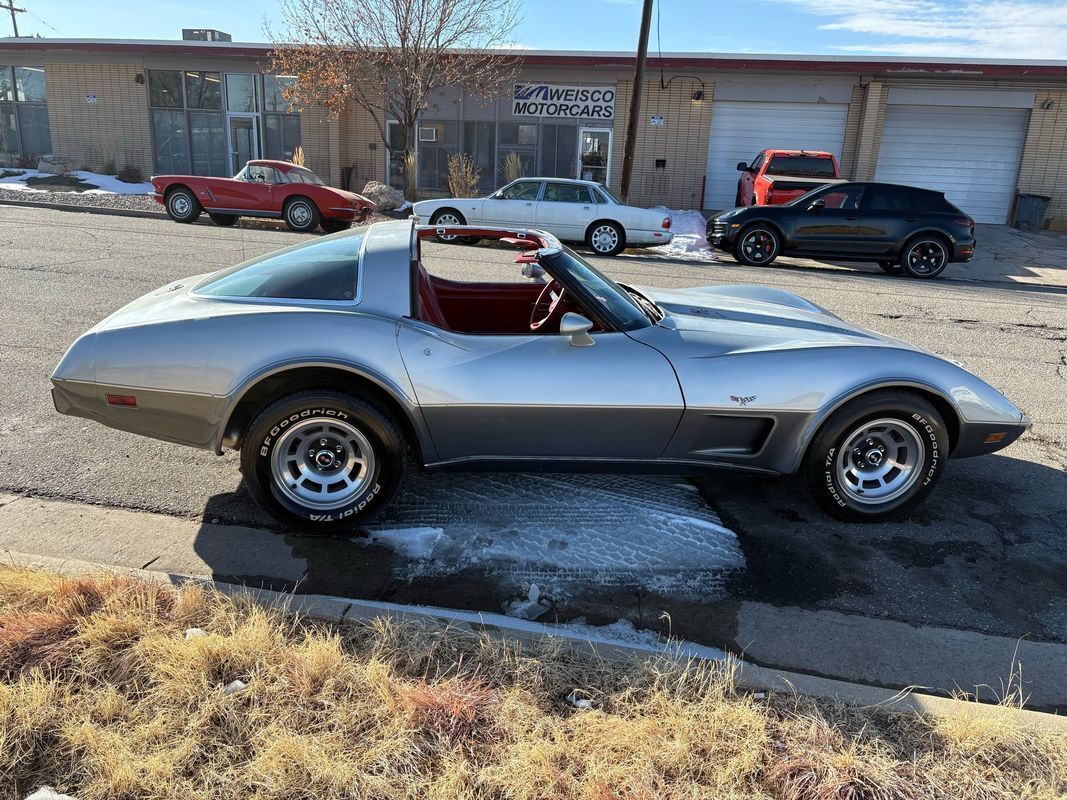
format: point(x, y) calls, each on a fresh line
point(322, 461)
point(877, 456)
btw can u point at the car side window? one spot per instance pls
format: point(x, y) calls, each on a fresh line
point(325, 269)
point(846, 197)
point(523, 190)
point(566, 193)
point(757, 162)
point(888, 198)
point(260, 174)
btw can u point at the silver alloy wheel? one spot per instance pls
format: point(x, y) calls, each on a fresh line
point(604, 238)
point(322, 464)
point(299, 214)
point(447, 220)
point(180, 205)
point(759, 246)
point(880, 461)
point(927, 257)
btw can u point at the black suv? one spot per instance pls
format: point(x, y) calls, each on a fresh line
point(902, 228)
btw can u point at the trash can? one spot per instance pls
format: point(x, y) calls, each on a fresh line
point(1030, 211)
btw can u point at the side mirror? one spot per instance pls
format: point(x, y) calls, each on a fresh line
point(817, 205)
point(534, 272)
point(577, 327)
point(742, 166)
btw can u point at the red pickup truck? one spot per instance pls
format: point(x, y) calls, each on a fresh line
point(777, 176)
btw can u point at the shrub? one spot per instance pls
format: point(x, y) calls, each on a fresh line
point(298, 156)
point(130, 174)
point(514, 167)
point(462, 175)
point(29, 160)
point(109, 167)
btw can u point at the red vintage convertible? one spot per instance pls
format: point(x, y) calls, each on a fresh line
point(262, 189)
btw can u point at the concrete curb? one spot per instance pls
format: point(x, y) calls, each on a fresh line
point(338, 610)
point(114, 212)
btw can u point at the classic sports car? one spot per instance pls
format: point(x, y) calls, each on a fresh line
point(262, 189)
point(571, 210)
point(334, 366)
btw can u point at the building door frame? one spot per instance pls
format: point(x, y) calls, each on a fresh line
point(582, 130)
point(234, 116)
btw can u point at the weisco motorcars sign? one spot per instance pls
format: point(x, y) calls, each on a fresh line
point(556, 100)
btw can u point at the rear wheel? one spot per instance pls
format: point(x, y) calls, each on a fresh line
point(447, 218)
point(322, 461)
point(925, 256)
point(335, 225)
point(225, 220)
point(877, 456)
point(301, 215)
point(182, 206)
point(757, 246)
point(605, 238)
point(892, 267)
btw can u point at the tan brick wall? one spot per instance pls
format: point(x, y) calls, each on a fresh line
point(358, 131)
point(852, 131)
point(1043, 168)
point(315, 140)
point(115, 128)
point(682, 140)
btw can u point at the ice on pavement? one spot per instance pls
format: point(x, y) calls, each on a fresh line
point(560, 531)
point(623, 632)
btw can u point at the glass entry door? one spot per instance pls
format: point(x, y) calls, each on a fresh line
point(244, 141)
point(594, 145)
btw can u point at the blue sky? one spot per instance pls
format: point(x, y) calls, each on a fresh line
point(1026, 29)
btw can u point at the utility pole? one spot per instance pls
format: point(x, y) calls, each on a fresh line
point(635, 101)
point(10, 6)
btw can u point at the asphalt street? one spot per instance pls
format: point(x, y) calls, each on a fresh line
point(987, 553)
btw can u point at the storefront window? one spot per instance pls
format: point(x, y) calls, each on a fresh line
point(203, 90)
point(479, 141)
point(241, 93)
point(7, 91)
point(208, 143)
point(165, 89)
point(33, 128)
point(282, 135)
point(9, 143)
point(558, 148)
point(273, 86)
point(171, 136)
point(434, 152)
point(29, 84)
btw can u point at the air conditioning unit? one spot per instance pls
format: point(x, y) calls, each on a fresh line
point(427, 133)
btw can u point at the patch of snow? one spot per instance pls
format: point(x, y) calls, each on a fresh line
point(581, 703)
point(194, 633)
point(107, 184)
point(404, 206)
point(690, 241)
point(530, 607)
point(233, 687)
point(414, 543)
point(623, 632)
point(560, 532)
point(48, 793)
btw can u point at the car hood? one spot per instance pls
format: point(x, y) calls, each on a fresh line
point(723, 320)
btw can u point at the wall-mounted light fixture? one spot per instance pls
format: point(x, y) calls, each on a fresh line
point(138, 78)
point(1047, 104)
point(698, 96)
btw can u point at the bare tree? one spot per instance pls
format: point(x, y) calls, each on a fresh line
point(389, 56)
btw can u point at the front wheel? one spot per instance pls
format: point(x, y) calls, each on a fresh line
point(877, 456)
point(924, 257)
point(606, 239)
point(322, 461)
point(448, 218)
point(182, 206)
point(301, 215)
point(757, 246)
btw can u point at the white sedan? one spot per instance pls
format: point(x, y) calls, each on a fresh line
point(575, 211)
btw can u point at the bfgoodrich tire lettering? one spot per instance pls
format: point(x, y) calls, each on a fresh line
point(877, 456)
point(322, 461)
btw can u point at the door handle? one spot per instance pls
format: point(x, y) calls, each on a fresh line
point(586, 208)
point(911, 219)
point(529, 204)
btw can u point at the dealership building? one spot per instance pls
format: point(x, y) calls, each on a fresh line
point(982, 131)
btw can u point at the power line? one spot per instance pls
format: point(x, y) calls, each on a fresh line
point(42, 21)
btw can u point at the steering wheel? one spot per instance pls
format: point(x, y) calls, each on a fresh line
point(548, 295)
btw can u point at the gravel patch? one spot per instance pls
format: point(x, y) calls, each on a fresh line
point(128, 202)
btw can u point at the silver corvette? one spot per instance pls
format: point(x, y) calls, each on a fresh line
point(337, 365)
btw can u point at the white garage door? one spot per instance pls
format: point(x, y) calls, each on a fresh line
point(970, 154)
point(739, 130)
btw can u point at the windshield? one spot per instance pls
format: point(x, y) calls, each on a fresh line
point(802, 166)
point(615, 302)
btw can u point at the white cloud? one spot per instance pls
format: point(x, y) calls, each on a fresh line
point(968, 28)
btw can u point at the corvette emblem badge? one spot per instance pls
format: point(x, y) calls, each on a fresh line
point(742, 401)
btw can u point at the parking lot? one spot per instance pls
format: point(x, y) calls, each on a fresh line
point(987, 553)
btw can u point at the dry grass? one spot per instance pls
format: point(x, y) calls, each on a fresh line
point(102, 696)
